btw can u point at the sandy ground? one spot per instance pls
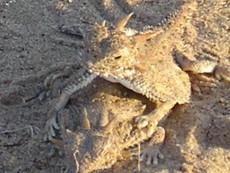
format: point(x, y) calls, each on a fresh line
point(32, 46)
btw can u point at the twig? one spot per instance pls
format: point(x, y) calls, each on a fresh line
point(30, 127)
point(139, 158)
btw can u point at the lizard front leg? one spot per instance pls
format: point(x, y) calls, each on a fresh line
point(151, 154)
point(52, 125)
point(152, 150)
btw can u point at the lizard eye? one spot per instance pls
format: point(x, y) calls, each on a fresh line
point(117, 57)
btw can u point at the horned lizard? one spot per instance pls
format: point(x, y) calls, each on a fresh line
point(142, 62)
point(89, 150)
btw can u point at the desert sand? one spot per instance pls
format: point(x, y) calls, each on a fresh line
point(32, 46)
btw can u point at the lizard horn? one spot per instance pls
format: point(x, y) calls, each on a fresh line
point(122, 22)
point(103, 23)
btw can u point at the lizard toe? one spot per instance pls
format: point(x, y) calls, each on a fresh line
point(52, 129)
point(151, 155)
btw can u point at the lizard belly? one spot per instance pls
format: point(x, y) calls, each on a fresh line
point(123, 82)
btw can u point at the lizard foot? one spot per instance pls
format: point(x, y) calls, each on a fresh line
point(151, 154)
point(56, 125)
point(46, 89)
point(52, 128)
point(141, 121)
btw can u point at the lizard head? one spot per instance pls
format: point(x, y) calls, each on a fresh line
point(93, 149)
point(114, 51)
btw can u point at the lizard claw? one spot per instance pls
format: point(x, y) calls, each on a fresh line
point(53, 76)
point(46, 92)
point(43, 93)
point(51, 129)
point(141, 121)
point(151, 155)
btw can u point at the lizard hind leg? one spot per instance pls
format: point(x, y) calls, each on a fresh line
point(199, 66)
